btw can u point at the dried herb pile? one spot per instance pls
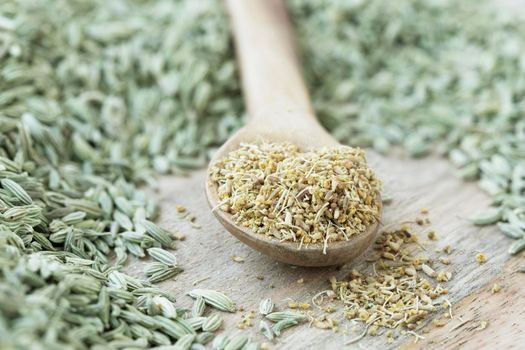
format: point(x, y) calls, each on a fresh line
point(98, 96)
point(401, 289)
point(310, 196)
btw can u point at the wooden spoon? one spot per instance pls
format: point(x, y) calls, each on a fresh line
point(280, 111)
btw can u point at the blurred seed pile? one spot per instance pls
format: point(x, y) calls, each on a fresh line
point(96, 96)
point(426, 74)
point(56, 300)
point(124, 86)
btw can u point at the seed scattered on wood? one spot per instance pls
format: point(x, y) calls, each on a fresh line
point(481, 326)
point(283, 315)
point(198, 307)
point(428, 270)
point(295, 305)
point(246, 320)
point(394, 295)
point(444, 276)
point(237, 343)
point(266, 306)
point(439, 322)
point(481, 258)
point(283, 324)
point(517, 246)
point(215, 299)
point(212, 323)
point(238, 259)
point(490, 216)
point(444, 260)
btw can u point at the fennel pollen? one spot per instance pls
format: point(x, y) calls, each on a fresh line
point(322, 195)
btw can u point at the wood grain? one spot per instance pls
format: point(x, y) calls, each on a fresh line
point(430, 183)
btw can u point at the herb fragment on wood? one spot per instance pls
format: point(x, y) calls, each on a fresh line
point(481, 258)
point(238, 259)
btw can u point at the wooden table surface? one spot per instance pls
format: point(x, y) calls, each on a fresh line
point(427, 183)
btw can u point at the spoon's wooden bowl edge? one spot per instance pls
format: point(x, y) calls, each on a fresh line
point(311, 255)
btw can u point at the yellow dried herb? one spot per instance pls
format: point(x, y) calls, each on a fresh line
point(397, 293)
point(321, 195)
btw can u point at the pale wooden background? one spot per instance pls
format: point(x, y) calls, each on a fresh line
point(428, 183)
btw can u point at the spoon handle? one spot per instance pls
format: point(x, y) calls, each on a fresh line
point(272, 80)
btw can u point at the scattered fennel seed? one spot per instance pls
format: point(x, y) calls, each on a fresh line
point(236, 343)
point(283, 324)
point(266, 306)
point(214, 298)
point(432, 235)
point(481, 326)
point(316, 196)
point(397, 294)
point(237, 259)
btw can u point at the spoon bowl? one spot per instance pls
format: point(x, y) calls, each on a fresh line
point(280, 111)
point(312, 254)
